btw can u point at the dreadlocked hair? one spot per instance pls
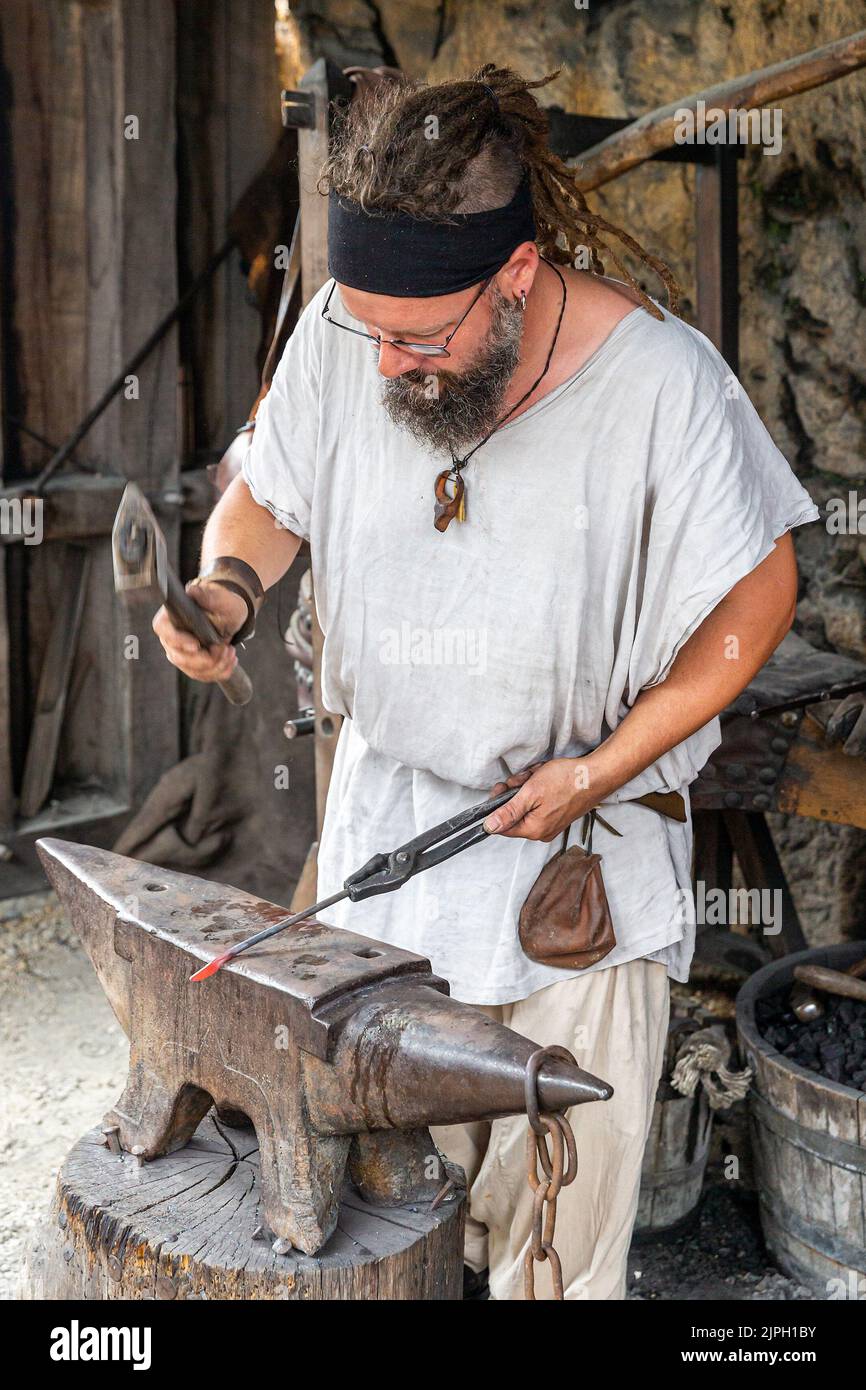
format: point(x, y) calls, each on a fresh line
point(462, 146)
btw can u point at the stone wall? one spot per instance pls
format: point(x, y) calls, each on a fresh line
point(802, 253)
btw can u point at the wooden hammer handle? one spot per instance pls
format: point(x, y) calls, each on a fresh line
point(187, 614)
point(831, 981)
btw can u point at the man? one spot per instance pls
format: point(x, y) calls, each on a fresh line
point(568, 617)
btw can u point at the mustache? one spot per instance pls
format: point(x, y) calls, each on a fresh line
point(449, 409)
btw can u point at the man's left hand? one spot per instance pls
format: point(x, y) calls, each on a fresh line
point(551, 796)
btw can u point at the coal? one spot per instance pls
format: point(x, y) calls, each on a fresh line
point(833, 1046)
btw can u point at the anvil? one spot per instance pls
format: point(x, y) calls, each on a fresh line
point(339, 1049)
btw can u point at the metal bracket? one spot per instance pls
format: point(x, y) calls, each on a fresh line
point(744, 772)
point(298, 109)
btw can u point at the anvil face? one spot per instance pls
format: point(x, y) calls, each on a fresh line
point(323, 1038)
point(190, 920)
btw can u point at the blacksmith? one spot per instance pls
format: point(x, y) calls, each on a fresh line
point(550, 542)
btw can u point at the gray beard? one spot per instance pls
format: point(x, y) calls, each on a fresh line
point(468, 404)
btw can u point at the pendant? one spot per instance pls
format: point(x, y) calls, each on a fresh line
point(448, 507)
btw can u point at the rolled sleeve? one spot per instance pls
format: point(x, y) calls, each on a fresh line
point(727, 495)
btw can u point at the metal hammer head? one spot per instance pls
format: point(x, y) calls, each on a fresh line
point(805, 1003)
point(138, 546)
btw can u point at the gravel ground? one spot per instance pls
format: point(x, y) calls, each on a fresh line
point(65, 1058)
point(719, 1254)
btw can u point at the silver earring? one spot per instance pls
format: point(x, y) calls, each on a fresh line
point(523, 300)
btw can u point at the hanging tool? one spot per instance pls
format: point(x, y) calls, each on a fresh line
point(817, 697)
point(386, 872)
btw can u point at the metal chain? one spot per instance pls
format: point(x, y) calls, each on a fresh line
point(546, 1186)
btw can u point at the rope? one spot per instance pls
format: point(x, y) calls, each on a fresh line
point(702, 1060)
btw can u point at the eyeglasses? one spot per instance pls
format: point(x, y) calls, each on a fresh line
point(426, 349)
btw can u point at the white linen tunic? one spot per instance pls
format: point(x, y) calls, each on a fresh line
point(603, 525)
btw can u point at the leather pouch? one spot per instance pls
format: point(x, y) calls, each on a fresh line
point(566, 919)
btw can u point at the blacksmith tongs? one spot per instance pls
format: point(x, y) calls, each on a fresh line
point(386, 872)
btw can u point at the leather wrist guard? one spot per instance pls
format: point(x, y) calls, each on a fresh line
point(241, 579)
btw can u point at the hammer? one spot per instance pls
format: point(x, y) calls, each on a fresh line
point(141, 566)
point(811, 978)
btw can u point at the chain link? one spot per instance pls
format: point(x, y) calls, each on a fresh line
point(558, 1169)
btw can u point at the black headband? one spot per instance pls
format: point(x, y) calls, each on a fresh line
point(415, 258)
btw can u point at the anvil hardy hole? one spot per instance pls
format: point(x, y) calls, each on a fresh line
point(155, 887)
point(367, 953)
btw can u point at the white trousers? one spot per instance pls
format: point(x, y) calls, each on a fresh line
point(615, 1023)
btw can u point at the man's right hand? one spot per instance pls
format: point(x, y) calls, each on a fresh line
point(226, 611)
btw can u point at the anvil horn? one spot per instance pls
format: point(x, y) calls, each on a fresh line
point(410, 1055)
point(328, 1041)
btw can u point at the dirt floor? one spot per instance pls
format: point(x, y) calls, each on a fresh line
point(720, 1254)
point(65, 1057)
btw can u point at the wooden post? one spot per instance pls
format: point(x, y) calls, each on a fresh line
point(321, 84)
point(717, 284)
point(762, 869)
point(716, 259)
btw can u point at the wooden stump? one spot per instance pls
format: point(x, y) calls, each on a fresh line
point(187, 1226)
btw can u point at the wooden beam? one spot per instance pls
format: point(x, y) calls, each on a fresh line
point(322, 83)
point(761, 868)
point(716, 253)
point(821, 781)
point(713, 856)
point(54, 682)
point(86, 816)
point(82, 505)
point(305, 890)
point(570, 133)
point(654, 132)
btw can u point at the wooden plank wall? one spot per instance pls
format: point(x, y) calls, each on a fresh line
point(7, 799)
point(228, 124)
point(105, 232)
point(93, 268)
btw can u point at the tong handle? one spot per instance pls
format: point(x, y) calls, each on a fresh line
point(438, 853)
point(459, 822)
point(385, 872)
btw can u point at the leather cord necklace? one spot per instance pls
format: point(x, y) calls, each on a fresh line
point(447, 507)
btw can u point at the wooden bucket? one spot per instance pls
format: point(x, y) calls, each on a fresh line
point(809, 1142)
point(675, 1157)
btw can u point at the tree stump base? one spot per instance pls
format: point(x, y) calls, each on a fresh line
point(187, 1225)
